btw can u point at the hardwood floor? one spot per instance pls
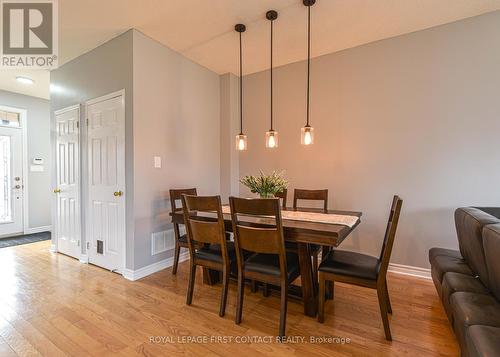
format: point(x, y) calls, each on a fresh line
point(52, 305)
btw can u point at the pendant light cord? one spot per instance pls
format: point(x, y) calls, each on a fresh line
point(241, 88)
point(272, 75)
point(308, 60)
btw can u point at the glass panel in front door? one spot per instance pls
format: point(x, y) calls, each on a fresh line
point(5, 179)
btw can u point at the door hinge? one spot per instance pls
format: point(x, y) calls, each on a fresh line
point(87, 121)
point(78, 125)
point(78, 243)
point(88, 245)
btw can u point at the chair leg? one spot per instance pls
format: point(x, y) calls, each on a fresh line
point(389, 307)
point(192, 277)
point(283, 308)
point(321, 298)
point(225, 285)
point(382, 301)
point(265, 290)
point(176, 257)
point(239, 303)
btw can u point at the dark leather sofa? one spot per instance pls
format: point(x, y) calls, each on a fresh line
point(468, 281)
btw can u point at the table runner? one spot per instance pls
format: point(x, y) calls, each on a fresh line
point(344, 220)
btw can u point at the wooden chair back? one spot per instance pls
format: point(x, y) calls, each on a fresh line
point(205, 229)
point(390, 234)
point(176, 195)
point(311, 195)
point(282, 195)
point(266, 237)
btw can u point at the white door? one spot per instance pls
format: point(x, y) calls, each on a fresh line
point(106, 183)
point(68, 181)
point(11, 181)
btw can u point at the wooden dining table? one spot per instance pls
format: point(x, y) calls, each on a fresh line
point(303, 233)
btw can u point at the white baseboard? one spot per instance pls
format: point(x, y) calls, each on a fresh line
point(53, 248)
point(133, 275)
point(38, 230)
point(410, 270)
point(84, 258)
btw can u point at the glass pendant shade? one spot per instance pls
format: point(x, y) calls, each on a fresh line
point(241, 142)
point(307, 135)
point(271, 139)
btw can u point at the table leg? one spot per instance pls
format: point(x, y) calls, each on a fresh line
point(210, 277)
point(309, 294)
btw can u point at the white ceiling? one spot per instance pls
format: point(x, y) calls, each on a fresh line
point(203, 30)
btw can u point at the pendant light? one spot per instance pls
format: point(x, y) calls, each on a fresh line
point(271, 135)
point(307, 132)
point(241, 139)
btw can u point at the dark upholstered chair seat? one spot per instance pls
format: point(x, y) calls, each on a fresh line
point(213, 252)
point(269, 264)
point(473, 309)
point(483, 341)
point(456, 282)
point(442, 264)
point(183, 239)
point(434, 252)
point(341, 262)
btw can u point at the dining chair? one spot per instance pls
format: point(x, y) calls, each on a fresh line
point(282, 195)
point(363, 270)
point(180, 239)
point(270, 263)
point(207, 242)
point(313, 195)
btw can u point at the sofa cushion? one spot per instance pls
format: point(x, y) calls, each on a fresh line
point(473, 309)
point(483, 341)
point(434, 252)
point(491, 242)
point(469, 223)
point(455, 282)
point(442, 264)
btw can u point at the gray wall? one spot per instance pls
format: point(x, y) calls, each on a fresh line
point(106, 69)
point(39, 193)
point(176, 117)
point(417, 115)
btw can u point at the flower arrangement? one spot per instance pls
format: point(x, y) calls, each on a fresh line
point(265, 185)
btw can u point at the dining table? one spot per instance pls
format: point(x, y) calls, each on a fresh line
point(302, 227)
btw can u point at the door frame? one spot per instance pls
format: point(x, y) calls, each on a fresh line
point(55, 243)
point(23, 117)
point(89, 102)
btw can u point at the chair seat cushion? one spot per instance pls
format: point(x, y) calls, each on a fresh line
point(442, 264)
point(434, 252)
point(473, 309)
point(269, 264)
point(456, 282)
point(483, 341)
point(351, 264)
point(213, 252)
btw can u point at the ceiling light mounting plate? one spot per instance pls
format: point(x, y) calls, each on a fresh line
point(271, 15)
point(240, 28)
point(309, 2)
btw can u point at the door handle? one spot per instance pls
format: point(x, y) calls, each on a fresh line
point(57, 190)
point(118, 194)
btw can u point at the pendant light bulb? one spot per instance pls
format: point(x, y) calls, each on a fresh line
point(307, 132)
point(241, 139)
point(271, 139)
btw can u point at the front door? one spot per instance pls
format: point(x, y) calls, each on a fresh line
point(68, 181)
point(11, 179)
point(106, 183)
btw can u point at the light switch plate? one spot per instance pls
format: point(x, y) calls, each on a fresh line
point(157, 160)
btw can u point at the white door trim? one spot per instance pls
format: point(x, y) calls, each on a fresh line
point(89, 102)
point(23, 113)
